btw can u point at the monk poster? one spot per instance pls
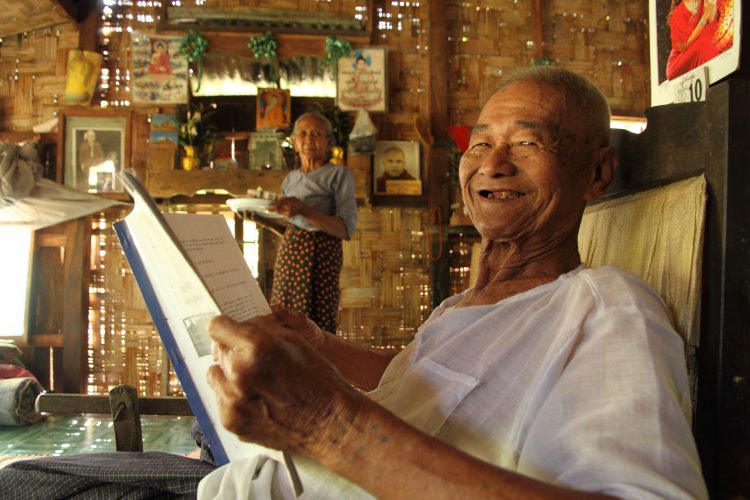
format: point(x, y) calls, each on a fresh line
point(273, 109)
point(694, 43)
point(361, 80)
point(160, 72)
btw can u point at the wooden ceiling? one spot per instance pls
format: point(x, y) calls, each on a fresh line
point(19, 16)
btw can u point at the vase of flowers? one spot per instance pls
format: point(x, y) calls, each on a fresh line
point(196, 132)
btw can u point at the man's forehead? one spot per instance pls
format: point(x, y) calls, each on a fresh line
point(524, 104)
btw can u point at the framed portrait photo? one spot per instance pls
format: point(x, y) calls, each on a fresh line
point(273, 109)
point(95, 145)
point(396, 168)
point(681, 72)
point(361, 80)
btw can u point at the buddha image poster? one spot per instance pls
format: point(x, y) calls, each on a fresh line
point(160, 72)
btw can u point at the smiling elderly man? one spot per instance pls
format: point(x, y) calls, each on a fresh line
point(546, 379)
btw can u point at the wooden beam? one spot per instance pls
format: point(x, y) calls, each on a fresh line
point(88, 26)
point(438, 185)
point(100, 405)
point(75, 305)
point(76, 11)
point(538, 31)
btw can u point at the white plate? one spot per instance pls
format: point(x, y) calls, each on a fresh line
point(257, 205)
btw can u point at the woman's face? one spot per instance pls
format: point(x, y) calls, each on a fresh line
point(310, 141)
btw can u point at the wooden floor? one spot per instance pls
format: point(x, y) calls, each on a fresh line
point(68, 435)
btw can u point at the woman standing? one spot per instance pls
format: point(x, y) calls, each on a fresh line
point(318, 198)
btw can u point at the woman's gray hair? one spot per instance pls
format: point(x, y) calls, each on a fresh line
point(586, 96)
point(320, 117)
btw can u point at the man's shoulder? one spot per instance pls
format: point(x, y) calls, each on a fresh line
point(614, 285)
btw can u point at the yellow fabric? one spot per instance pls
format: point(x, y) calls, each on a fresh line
point(657, 235)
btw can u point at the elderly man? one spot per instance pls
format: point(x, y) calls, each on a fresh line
point(545, 379)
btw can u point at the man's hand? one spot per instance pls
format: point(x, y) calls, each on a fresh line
point(274, 389)
point(301, 324)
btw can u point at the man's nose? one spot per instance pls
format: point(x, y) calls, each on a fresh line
point(499, 162)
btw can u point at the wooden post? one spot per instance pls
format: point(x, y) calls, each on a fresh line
point(438, 185)
point(75, 305)
point(126, 416)
point(538, 31)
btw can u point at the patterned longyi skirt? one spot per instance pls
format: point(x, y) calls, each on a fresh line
point(306, 275)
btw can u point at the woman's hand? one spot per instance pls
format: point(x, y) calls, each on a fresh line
point(289, 206)
point(274, 389)
point(709, 13)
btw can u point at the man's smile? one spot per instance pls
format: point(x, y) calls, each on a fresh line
point(502, 194)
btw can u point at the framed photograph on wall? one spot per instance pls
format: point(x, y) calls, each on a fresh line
point(94, 145)
point(273, 109)
point(396, 168)
point(265, 150)
point(361, 80)
point(680, 72)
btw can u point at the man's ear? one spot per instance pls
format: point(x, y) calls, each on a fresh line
point(604, 164)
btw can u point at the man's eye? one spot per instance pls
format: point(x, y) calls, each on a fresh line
point(479, 145)
point(525, 143)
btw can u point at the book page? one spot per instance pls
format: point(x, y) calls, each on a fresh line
point(217, 258)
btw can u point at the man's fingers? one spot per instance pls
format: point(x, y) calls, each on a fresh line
point(216, 379)
point(224, 330)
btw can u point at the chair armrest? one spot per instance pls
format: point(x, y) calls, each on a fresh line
point(123, 404)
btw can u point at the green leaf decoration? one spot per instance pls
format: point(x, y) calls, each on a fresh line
point(193, 46)
point(542, 62)
point(263, 46)
point(335, 50)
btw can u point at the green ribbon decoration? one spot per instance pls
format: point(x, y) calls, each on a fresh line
point(193, 46)
point(263, 46)
point(335, 50)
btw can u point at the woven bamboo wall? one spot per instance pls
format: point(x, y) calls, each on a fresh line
point(123, 346)
point(32, 75)
point(385, 281)
point(605, 40)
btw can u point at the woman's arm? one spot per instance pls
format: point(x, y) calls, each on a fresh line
point(709, 16)
point(329, 224)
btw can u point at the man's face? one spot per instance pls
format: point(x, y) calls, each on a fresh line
point(523, 176)
point(394, 162)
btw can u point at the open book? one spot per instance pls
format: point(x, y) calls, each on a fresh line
point(189, 269)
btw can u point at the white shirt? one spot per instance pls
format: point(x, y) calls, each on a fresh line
point(580, 382)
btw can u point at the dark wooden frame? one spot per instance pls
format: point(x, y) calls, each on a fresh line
point(710, 138)
point(65, 116)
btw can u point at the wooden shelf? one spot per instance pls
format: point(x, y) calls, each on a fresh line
point(169, 183)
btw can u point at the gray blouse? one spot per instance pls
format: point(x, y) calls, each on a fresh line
point(328, 189)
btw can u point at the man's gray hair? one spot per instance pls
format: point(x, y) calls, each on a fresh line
point(320, 117)
point(585, 95)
